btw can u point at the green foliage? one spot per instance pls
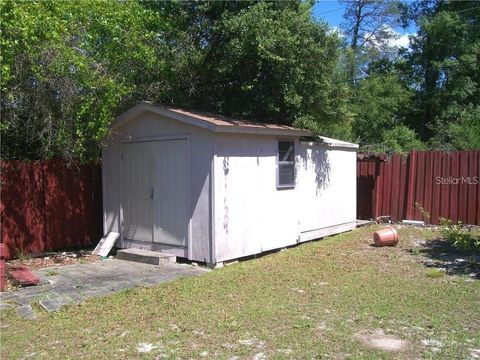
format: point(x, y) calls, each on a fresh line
point(401, 139)
point(267, 61)
point(458, 235)
point(378, 104)
point(446, 73)
point(68, 68)
point(458, 128)
point(433, 89)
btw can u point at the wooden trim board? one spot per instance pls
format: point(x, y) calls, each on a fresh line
point(106, 244)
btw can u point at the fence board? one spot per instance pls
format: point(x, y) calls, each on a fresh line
point(437, 168)
point(474, 192)
point(46, 205)
point(398, 183)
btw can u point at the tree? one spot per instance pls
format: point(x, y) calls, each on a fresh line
point(268, 61)
point(445, 61)
point(377, 100)
point(401, 139)
point(379, 105)
point(67, 70)
point(368, 25)
point(431, 88)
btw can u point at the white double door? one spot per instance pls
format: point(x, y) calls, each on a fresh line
point(155, 191)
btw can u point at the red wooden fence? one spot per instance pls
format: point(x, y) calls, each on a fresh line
point(46, 205)
point(443, 184)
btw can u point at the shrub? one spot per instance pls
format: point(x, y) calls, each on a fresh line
point(458, 235)
point(402, 139)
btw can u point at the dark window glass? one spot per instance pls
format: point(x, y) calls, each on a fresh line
point(286, 164)
point(286, 174)
point(285, 151)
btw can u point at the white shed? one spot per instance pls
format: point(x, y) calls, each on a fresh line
point(212, 189)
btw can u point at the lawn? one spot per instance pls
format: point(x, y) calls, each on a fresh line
point(323, 299)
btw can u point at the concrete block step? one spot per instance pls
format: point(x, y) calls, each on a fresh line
point(145, 256)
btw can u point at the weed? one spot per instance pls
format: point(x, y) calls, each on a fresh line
point(458, 235)
point(415, 251)
point(302, 325)
point(425, 213)
point(435, 273)
point(23, 256)
point(51, 272)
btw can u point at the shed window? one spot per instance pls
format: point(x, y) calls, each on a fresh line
point(286, 164)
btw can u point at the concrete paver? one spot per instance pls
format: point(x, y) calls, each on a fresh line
point(26, 312)
point(75, 283)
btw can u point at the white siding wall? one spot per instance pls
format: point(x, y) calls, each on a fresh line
point(149, 125)
point(252, 216)
point(327, 189)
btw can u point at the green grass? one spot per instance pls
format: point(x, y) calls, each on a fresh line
point(307, 302)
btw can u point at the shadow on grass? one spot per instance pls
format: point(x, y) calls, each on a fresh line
point(438, 253)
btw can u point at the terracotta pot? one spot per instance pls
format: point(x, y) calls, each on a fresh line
point(387, 236)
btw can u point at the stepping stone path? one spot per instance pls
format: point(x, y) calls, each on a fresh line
point(50, 305)
point(26, 312)
point(75, 283)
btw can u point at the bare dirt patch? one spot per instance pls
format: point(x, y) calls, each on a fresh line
point(377, 339)
point(55, 259)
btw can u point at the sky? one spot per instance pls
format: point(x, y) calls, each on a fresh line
point(329, 10)
point(332, 11)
